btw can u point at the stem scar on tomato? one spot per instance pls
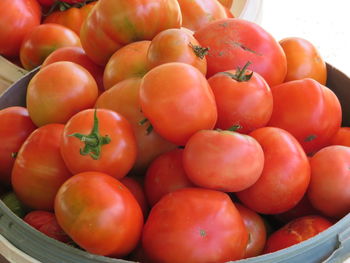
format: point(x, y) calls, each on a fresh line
point(93, 141)
point(240, 74)
point(310, 138)
point(149, 128)
point(202, 232)
point(199, 51)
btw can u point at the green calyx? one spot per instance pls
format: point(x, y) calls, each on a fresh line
point(93, 141)
point(200, 52)
point(240, 74)
point(149, 128)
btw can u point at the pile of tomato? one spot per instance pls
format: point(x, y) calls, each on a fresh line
point(169, 131)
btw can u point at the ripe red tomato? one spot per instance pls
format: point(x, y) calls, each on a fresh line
point(128, 62)
point(78, 56)
point(242, 100)
point(99, 213)
point(233, 41)
point(99, 140)
point(328, 191)
point(303, 60)
point(178, 101)
point(285, 177)
point(113, 24)
point(123, 98)
point(296, 231)
point(39, 169)
point(177, 45)
point(15, 127)
point(46, 223)
point(164, 175)
point(223, 160)
point(42, 41)
point(308, 110)
point(17, 19)
point(342, 137)
point(58, 91)
point(194, 225)
point(52, 2)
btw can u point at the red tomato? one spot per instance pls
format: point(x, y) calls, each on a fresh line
point(308, 110)
point(342, 137)
point(51, 2)
point(223, 160)
point(78, 56)
point(303, 60)
point(46, 223)
point(58, 91)
point(99, 140)
point(328, 191)
point(285, 177)
point(242, 100)
point(18, 17)
point(42, 41)
point(256, 230)
point(113, 24)
point(165, 175)
point(123, 98)
point(15, 127)
point(198, 13)
point(177, 45)
point(296, 231)
point(39, 169)
point(232, 42)
point(178, 101)
point(128, 62)
point(99, 213)
point(194, 225)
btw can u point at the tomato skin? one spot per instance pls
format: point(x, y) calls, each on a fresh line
point(240, 158)
point(226, 3)
point(194, 225)
point(15, 127)
point(176, 45)
point(233, 41)
point(185, 104)
point(21, 17)
point(328, 191)
point(42, 41)
point(318, 116)
point(245, 103)
point(285, 177)
point(303, 60)
point(342, 137)
point(129, 61)
point(116, 158)
point(39, 169)
point(99, 213)
point(164, 175)
point(296, 231)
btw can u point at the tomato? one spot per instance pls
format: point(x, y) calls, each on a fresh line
point(303, 60)
point(46, 223)
point(178, 101)
point(226, 3)
point(78, 56)
point(99, 140)
point(113, 24)
point(242, 100)
point(308, 110)
point(233, 41)
point(15, 127)
point(328, 191)
point(39, 169)
point(194, 225)
point(42, 41)
point(296, 231)
point(256, 229)
point(123, 98)
point(198, 13)
point(223, 160)
point(177, 45)
point(285, 177)
point(341, 137)
point(165, 174)
point(71, 18)
point(128, 62)
point(17, 19)
point(99, 213)
point(58, 91)
point(52, 2)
